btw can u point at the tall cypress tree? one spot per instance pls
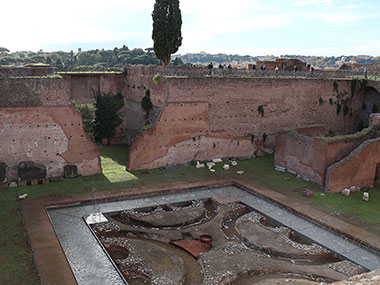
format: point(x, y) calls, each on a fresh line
point(167, 22)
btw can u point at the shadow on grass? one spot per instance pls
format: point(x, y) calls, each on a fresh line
point(118, 153)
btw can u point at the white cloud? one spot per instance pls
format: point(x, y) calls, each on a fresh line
point(31, 25)
point(311, 2)
point(350, 6)
point(342, 17)
point(208, 19)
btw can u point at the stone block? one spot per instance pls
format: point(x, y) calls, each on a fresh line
point(307, 193)
point(353, 189)
point(240, 172)
point(12, 184)
point(291, 171)
point(346, 192)
point(233, 163)
point(226, 167)
point(29, 170)
point(366, 196)
point(216, 160)
point(23, 196)
point(365, 188)
point(210, 164)
point(34, 182)
point(3, 172)
point(199, 165)
point(70, 170)
point(279, 168)
point(56, 179)
point(22, 183)
point(3, 185)
point(212, 170)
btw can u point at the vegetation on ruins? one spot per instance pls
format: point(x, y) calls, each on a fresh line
point(343, 99)
point(107, 115)
point(260, 110)
point(146, 105)
point(88, 117)
point(166, 35)
point(156, 78)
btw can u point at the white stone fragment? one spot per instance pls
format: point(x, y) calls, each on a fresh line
point(240, 172)
point(200, 165)
point(298, 176)
point(345, 192)
point(12, 184)
point(216, 160)
point(23, 196)
point(353, 189)
point(210, 164)
point(226, 167)
point(233, 163)
point(279, 168)
point(366, 196)
point(212, 170)
point(96, 218)
point(291, 171)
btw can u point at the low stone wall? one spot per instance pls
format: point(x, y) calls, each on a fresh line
point(357, 169)
point(311, 156)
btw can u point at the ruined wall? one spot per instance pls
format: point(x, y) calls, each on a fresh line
point(311, 156)
point(39, 123)
point(286, 102)
point(182, 134)
point(233, 105)
point(357, 169)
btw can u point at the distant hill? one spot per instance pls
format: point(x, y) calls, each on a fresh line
point(117, 58)
point(316, 61)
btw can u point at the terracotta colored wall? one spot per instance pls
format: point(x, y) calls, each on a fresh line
point(182, 135)
point(39, 123)
point(302, 154)
point(234, 103)
point(52, 136)
point(28, 92)
point(311, 156)
point(357, 169)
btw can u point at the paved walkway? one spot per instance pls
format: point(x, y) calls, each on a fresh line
point(54, 268)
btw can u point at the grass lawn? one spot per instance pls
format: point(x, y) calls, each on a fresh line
point(16, 266)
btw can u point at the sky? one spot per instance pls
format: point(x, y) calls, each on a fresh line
point(245, 27)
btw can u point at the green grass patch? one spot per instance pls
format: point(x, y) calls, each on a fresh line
point(16, 266)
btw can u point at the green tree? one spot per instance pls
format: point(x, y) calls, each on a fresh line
point(48, 60)
point(167, 22)
point(88, 117)
point(59, 64)
point(178, 62)
point(107, 115)
point(146, 105)
point(3, 51)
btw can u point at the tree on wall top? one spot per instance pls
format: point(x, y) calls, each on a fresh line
point(107, 115)
point(167, 22)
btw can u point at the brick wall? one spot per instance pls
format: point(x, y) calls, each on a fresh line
point(311, 156)
point(52, 136)
point(39, 123)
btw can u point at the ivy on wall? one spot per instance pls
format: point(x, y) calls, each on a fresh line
point(343, 99)
point(260, 109)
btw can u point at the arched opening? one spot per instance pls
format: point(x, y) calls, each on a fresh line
point(368, 103)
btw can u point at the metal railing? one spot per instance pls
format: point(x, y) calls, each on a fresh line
point(197, 72)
